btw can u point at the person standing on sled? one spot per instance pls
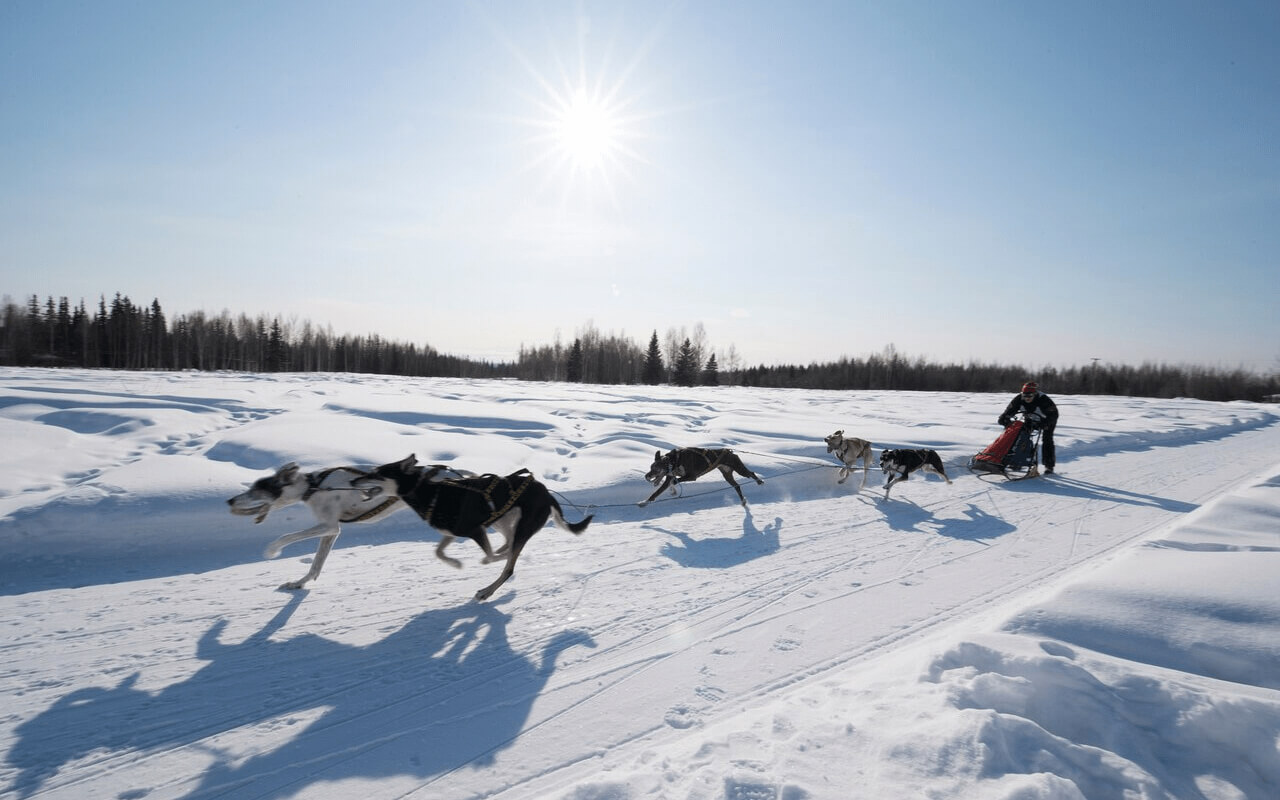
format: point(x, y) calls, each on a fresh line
point(1041, 412)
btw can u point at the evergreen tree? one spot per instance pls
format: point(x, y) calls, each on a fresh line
point(686, 371)
point(156, 333)
point(276, 358)
point(573, 370)
point(711, 375)
point(654, 371)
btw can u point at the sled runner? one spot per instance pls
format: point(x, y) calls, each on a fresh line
point(1014, 454)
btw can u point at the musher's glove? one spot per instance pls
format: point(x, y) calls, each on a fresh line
point(1003, 421)
point(1032, 423)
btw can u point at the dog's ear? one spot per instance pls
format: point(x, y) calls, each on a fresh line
point(837, 433)
point(409, 461)
point(288, 470)
point(657, 455)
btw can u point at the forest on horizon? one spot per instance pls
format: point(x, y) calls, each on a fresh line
point(120, 334)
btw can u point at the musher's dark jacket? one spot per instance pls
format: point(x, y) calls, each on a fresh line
point(1047, 408)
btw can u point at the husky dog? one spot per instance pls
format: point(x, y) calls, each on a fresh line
point(331, 498)
point(690, 463)
point(898, 464)
point(515, 504)
point(849, 450)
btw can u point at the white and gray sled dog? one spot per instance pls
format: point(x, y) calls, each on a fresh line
point(849, 449)
point(331, 498)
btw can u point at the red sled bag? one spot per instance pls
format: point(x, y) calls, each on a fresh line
point(995, 453)
point(1013, 454)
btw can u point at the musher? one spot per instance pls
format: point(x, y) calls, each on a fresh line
point(1041, 412)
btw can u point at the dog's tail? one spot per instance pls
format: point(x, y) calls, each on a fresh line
point(576, 527)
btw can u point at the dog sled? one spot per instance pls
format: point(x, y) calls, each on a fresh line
point(1015, 454)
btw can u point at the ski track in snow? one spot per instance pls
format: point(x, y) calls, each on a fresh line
point(188, 675)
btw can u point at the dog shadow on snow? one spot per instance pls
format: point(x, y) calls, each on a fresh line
point(975, 524)
point(720, 553)
point(445, 691)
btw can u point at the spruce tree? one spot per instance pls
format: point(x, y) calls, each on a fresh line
point(711, 375)
point(654, 371)
point(686, 372)
point(573, 370)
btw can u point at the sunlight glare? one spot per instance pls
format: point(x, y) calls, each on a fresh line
point(587, 131)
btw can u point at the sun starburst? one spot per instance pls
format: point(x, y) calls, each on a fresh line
point(586, 129)
point(588, 132)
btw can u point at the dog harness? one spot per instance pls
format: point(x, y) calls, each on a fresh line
point(373, 512)
point(511, 501)
point(679, 473)
point(845, 444)
point(315, 481)
point(486, 493)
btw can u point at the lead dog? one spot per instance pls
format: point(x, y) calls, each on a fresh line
point(331, 498)
point(849, 450)
point(516, 505)
point(690, 463)
point(898, 464)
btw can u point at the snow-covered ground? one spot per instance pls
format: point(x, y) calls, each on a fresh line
point(1111, 632)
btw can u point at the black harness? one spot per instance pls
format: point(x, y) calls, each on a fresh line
point(486, 491)
point(677, 470)
point(315, 483)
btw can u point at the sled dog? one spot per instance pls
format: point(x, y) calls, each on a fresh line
point(516, 505)
point(690, 463)
point(331, 498)
point(849, 450)
point(899, 464)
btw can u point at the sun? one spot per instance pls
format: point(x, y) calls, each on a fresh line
point(587, 118)
point(586, 144)
point(588, 132)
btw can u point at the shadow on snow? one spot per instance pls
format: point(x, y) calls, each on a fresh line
point(720, 553)
point(446, 691)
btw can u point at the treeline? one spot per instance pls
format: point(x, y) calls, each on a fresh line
point(680, 358)
point(122, 335)
point(892, 371)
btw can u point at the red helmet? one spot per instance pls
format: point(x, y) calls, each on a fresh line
point(1030, 387)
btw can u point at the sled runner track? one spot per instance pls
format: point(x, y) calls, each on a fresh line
point(773, 589)
point(990, 599)
point(985, 602)
point(799, 575)
point(765, 593)
point(482, 675)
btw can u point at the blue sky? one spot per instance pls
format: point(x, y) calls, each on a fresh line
point(1043, 183)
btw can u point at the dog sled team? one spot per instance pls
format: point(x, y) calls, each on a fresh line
point(458, 503)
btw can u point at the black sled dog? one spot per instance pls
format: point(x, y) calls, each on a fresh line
point(898, 464)
point(516, 505)
point(690, 463)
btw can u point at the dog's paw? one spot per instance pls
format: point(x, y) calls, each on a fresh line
point(643, 503)
point(292, 586)
point(271, 552)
